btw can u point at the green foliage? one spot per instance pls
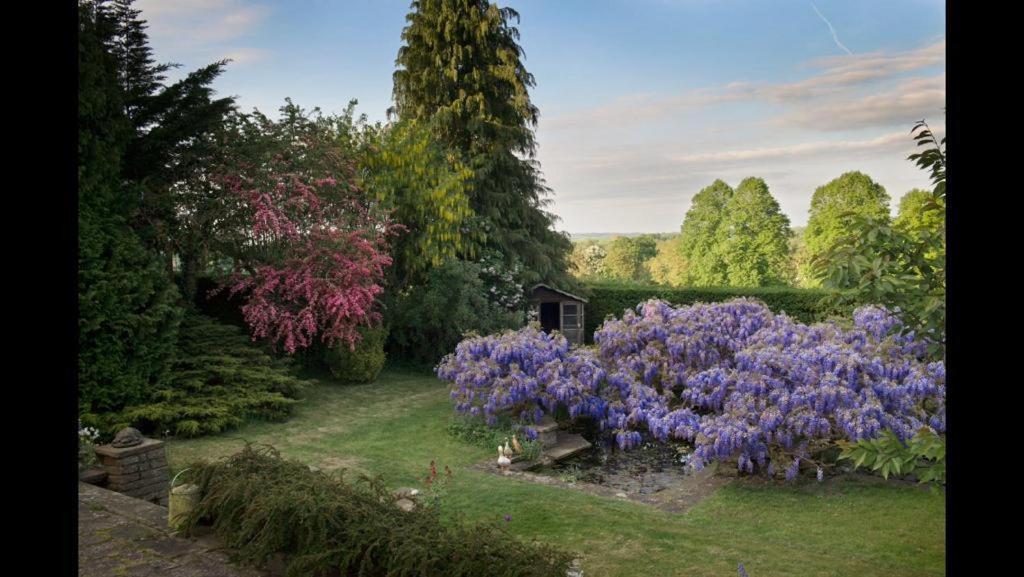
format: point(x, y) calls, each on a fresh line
point(899, 266)
point(887, 266)
point(798, 260)
point(932, 158)
point(364, 363)
point(668, 267)
point(626, 257)
point(733, 238)
point(924, 456)
point(427, 188)
point(426, 322)
point(476, 431)
point(920, 209)
point(587, 260)
point(922, 215)
point(128, 317)
point(753, 237)
point(805, 305)
point(698, 239)
point(261, 504)
point(460, 67)
point(219, 381)
point(168, 135)
point(838, 210)
point(128, 320)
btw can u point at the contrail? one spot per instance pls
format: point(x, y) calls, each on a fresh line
point(834, 35)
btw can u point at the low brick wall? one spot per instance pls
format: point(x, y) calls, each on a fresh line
point(139, 471)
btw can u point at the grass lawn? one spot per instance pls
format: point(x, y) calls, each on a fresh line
point(396, 426)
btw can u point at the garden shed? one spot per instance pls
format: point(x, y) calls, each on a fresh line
point(558, 310)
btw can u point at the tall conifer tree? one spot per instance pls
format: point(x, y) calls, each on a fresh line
point(460, 65)
point(128, 320)
point(171, 142)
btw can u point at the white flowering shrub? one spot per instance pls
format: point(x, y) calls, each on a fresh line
point(503, 282)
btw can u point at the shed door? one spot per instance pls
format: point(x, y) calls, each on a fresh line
point(549, 313)
point(572, 321)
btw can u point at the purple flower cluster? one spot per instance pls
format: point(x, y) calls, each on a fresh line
point(510, 373)
point(738, 382)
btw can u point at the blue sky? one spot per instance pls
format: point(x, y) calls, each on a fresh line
point(643, 102)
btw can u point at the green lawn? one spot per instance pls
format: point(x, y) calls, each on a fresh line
point(396, 426)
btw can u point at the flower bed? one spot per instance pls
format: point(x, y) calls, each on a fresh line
point(733, 379)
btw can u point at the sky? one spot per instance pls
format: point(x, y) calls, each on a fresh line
point(643, 102)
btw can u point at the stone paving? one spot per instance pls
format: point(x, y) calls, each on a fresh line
point(124, 536)
point(678, 498)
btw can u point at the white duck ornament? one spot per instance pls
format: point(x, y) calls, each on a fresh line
point(503, 460)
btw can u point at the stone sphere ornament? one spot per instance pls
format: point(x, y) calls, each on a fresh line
point(127, 437)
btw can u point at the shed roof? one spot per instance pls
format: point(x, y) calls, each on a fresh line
point(561, 292)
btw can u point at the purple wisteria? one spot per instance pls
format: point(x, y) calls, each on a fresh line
point(737, 381)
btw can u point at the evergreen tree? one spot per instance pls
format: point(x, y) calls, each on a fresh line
point(835, 208)
point(127, 316)
point(698, 241)
point(171, 141)
point(754, 237)
point(460, 65)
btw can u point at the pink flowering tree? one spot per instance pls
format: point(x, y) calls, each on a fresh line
point(309, 244)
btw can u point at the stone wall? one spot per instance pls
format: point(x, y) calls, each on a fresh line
point(139, 471)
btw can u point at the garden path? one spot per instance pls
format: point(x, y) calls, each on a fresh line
point(120, 535)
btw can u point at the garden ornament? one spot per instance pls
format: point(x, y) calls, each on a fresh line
point(181, 501)
point(127, 437)
point(503, 458)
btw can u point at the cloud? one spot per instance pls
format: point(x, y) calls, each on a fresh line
point(201, 21)
point(838, 77)
point(206, 29)
point(651, 174)
point(907, 102)
point(882, 143)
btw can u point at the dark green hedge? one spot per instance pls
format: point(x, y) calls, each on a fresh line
point(262, 505)
point(805, 305)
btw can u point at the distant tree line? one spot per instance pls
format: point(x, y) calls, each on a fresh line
point(740, 237)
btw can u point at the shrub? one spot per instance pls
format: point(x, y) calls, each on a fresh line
point(427, 321)
point(361, 365)
point(923, 455)
point(219, 381)
point(262, 504)
point(87, 446)
point(128, 318)
point(804, 305)
point(739, 382)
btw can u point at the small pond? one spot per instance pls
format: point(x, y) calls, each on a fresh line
point(647, 469)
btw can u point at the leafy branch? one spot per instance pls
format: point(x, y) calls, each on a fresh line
point(924, 456)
